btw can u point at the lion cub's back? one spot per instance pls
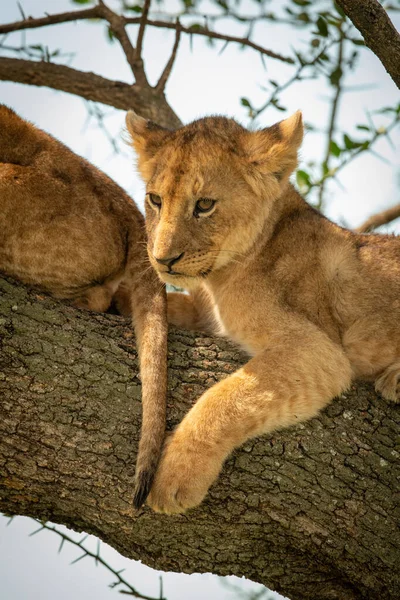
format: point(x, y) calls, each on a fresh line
point(62, 222)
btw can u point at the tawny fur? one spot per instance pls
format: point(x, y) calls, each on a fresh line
point(68, 229)
point(315, 304)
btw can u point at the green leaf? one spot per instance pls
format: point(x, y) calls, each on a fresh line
point(303, 17)
point(352, 144)
point(302, 2)
point(196, 27)
point(358, 42)
point(336, 76)
point(82, 1)
point(334, 148)
point(340, 10)
point(303, 180)
point(275, 103)
point(322, 27)
point(245, 102)
point(110, 34)
point(364, 127)
point(135, 8)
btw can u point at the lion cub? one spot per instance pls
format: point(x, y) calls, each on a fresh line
point(316, 305)
point(68, 229)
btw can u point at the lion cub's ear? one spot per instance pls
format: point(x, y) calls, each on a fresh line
point(146, 138)
point(274, 150)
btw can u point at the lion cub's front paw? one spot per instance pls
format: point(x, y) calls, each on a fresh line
point(388, 384)
point(186, 471)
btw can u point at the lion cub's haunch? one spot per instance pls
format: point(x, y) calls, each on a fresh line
point(315, 304)
point(68, 229)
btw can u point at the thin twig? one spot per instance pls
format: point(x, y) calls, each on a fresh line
point(350, 157)
point(332, 117)
point(131, 591)
point(96, 12)
point(168, 67)
point(297, 76)
point(382, 218)
point(143, 22)
point(31, 23)
point(243, 41)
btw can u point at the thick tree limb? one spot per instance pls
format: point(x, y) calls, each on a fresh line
point(148, 102)
point(310, 512)
point(382, 218)
point(378, 31)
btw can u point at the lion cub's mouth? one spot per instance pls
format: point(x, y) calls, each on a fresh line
point(200, 275)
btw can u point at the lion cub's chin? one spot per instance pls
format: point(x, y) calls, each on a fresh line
point(187, 282)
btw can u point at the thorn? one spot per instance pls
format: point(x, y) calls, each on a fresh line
point(61, 545)
point(78, 559)
point(37, 531)
point(21, 10)
point(85, 537)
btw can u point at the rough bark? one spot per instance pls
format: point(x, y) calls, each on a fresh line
point(378, 31)
point(147, 101)
point(310, 512)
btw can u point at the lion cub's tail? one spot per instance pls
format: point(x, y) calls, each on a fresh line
point(149, 308)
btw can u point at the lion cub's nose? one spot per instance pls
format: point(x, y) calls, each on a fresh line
point(169, 261)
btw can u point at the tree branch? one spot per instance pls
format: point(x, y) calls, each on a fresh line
point(382, 218)
point(333, 116)
point(96, 12)
point(168, 67)
point(142, 25)
point(147, 102)
point(31, 23)
point(117, 26)
point(310, 511)
point(378, 31)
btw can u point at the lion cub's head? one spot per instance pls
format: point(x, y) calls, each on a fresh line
point(210, 188)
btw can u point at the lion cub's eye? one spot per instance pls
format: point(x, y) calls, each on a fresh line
point(155, 200)
point(203, 206)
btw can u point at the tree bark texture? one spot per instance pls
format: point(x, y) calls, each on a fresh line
point(148, 102)
point(310, 512)
point(378, 31)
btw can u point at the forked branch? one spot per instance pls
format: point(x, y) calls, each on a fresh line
point(91, 87)
point(117, 26)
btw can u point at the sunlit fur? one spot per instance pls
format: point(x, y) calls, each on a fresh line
point(316, 305)
point(68, 229)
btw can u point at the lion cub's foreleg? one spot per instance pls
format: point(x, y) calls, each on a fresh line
point(299, 372)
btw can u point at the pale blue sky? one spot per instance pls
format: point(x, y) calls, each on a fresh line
point(202, 82)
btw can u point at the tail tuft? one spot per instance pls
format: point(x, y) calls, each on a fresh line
point(143, 484)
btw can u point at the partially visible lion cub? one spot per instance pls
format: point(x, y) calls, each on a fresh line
point(316, 305)
point(68, 229)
